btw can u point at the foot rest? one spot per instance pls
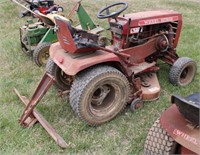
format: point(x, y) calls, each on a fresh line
point(97, 30)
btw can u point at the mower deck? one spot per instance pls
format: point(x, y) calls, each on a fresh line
point(150, 87)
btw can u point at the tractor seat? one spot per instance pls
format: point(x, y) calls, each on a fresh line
point(71, 29)
point(189, 106)
point(74, 40)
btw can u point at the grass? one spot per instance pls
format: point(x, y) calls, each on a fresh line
point(124, 135)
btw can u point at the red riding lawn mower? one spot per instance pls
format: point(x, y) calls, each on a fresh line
point(42, 6)
point(177, 131)
point(102, 79)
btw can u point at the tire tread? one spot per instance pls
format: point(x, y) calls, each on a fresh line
point(159, 143)
point(176, 69)
point(81, 83)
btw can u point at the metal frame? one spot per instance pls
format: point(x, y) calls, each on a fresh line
point(30, 115)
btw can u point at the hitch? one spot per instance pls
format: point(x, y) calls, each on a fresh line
point(30, 115)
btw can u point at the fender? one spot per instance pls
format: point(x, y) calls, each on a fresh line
point(71, 64)
point(179, 129)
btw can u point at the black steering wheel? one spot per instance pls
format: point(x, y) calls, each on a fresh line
point(100, 14)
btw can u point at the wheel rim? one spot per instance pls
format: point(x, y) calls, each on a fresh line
point(187, 74)
point(102, 100)
point(136, 104)
point(44, 55)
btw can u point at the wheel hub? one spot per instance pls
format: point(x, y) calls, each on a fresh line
point(100, 94)
point(184, 73)
point(44, 56)
point(65, 78)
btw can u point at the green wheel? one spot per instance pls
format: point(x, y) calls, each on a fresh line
point(98, 94)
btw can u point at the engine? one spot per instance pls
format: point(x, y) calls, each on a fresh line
point(131, 30)
point(139, 35)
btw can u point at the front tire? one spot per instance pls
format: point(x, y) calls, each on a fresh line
point(63, 81)
point(158, 142)
point(182, 72)
point(98, 94)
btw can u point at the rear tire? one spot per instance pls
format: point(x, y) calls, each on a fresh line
point(62, 81)
point(158, 142)
point(182, 72)
point(98, 94)
point(41, 53)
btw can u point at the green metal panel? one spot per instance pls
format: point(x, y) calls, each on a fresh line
point(36, 34)
point(85, 20)
point(50, 36)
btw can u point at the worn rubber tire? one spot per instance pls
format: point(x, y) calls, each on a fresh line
point(136, 104)
point(158, 142)
point(59, 9)
point(182, 72)
point(41, 53)
point(55, 71)
point(88, 87)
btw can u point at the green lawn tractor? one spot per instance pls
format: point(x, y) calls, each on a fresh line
point(35, 40)
point(36, 37)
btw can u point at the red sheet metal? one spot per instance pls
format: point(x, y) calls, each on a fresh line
point(182, 131)
point(73, 63)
